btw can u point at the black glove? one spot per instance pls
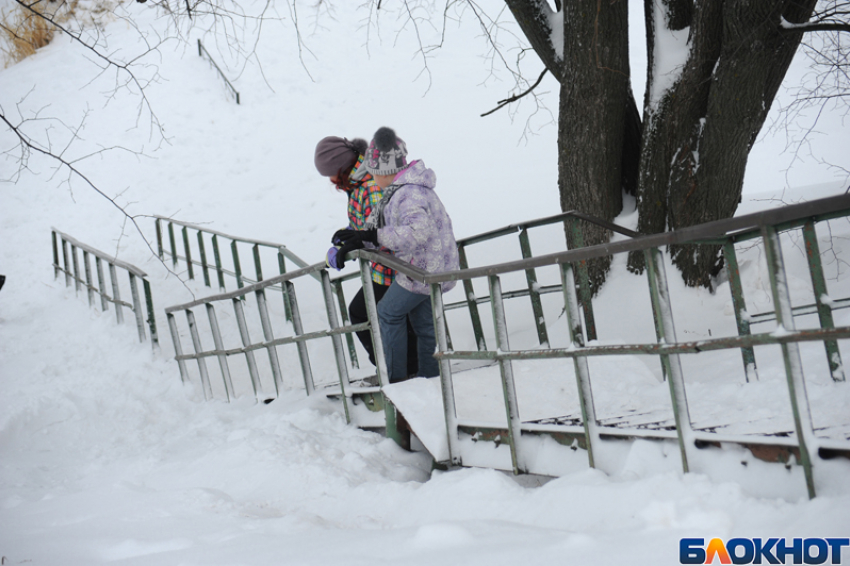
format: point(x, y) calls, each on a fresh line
point(354, 239)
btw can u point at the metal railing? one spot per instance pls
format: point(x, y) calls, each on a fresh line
point(192, 250)
point(667, 348)
point(203, 51)
point(65, 249)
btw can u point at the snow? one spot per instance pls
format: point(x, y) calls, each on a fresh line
point(106, 457)
point(669, 56)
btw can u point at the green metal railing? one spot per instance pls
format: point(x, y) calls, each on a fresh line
point(193, 249)
point(572, 221)
point(66, 260)
point(238, 299)
point(766, 224)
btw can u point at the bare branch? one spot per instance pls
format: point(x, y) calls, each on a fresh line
point(505, 102)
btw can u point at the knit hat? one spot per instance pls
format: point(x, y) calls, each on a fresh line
point(387, 154)
point(335, 154)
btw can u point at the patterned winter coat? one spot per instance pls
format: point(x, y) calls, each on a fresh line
point(417, 228)
point(362, 199)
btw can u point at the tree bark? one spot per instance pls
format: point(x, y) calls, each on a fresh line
point(592, 116)
point(697, 139)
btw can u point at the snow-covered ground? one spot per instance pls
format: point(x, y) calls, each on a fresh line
point(106, 457)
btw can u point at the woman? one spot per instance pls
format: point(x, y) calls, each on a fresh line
point(411, 221)
point(341, 160)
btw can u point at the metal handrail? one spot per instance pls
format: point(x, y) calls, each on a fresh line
point(71, 269)
point(668, 348)
point(203, 51)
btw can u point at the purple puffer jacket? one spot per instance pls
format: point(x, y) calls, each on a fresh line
point(417, 227)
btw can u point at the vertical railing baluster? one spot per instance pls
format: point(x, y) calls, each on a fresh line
point(281, 261)
point(833, 356)
point(104, 301)
point(258, 267)
point(446, 379)
point(508, 387)
point(533, 290)
point(159, 249)
point(343, 311)
point(268, 336)
point(471, 302)
point(137, 307)
point(584, 292)
point(662, 309)
point(173, 243)
point(56, 269)
point(189, 264)
point(202, 363)
point(249, 354)
point(790, 353)
point(218, 269)
point(222, 357)
point(204, 266)
point(339, 351)
point(151, 316)
point(733, 270)
point(67, 269)
point(582, 371)
point(178, 348)
point(298, 329)
point(89, 281)
point(237, 267)
point(77, 280)
point(116, 294)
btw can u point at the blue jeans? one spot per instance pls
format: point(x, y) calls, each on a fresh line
point(397, 307)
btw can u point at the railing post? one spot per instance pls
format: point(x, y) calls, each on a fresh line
point(202, 363)
point(173, 243)
point(188, 249)
point(585, 295)
point(343, 311)
point(237, 268)
point(471, 302)
point(76, 261)
point(89, 286)
point(508, 387)
point(151, 316)
point(101, 285)
point(67, 269)
point(246, 342)
point(281, 260)
point(137, 307)
point(582, 371)
point(446, 379)
point(116, 294)
point(298, 329)
point(204, 266)
point(258, 268)
point(219, 271)
point(268, 336)
point(378, 345)
point(739, 304)
point(790, 353)
point(833, 356)
point(663, 311)
point(55, 254)
point(339, 352)
point(222, 357)
point(159, 250)
point(533, 290)
point(178, 348)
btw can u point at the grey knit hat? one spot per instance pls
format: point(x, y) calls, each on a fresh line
point(335, 154)
point(387, 154)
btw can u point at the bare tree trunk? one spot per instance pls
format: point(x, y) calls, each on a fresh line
point(594, 98)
